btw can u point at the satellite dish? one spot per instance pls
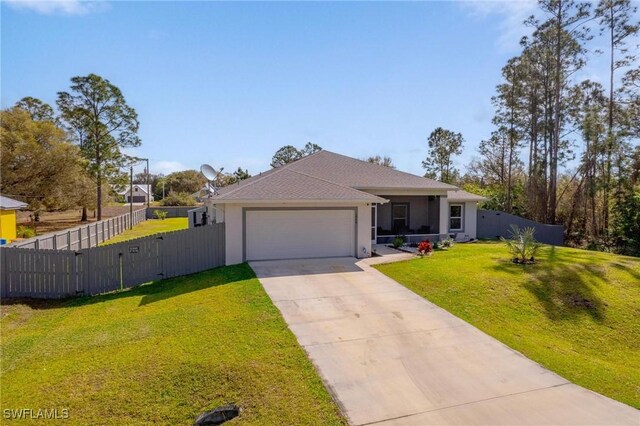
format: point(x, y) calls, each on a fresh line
point(212, 175)
point(209, 172)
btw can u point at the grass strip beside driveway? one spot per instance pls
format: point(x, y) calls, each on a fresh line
point(161, 354)
point(575, 312)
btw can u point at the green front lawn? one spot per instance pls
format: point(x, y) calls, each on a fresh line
point(150, 227)
point(161, 354)
point(576, 312)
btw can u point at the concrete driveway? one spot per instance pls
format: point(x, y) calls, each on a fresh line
point(390, 357)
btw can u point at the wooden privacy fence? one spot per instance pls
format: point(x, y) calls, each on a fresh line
point(51, 274)
point(83, 236)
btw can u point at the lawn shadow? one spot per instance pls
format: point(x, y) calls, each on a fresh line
point(151, 292)
point(635, 273)
point(564, 287)
point(166, 289)
point(36, 304)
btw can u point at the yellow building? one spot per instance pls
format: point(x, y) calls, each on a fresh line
point(8, 207)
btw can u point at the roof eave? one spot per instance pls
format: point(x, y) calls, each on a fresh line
point(461, 200)
point(377, 200)
point(426, 191)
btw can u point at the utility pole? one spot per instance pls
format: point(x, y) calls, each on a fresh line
point(148, 186)
point(131, 197)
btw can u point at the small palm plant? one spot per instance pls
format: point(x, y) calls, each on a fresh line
point(160, 214)
point(398, 241)
point(522, 244)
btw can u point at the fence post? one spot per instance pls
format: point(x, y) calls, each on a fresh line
point(3, 273)
point(121, 277)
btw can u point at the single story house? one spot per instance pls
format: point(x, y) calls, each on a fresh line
point(141, 193)
point(8, 207)
point(327, 204)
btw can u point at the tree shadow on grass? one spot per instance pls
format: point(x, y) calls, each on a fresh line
point(624, 267)
point(563, 286)
point(151, 292)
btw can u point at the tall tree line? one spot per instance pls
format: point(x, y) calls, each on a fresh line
point(55, 161)
point(546, 118)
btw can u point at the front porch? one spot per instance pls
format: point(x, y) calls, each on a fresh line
point(416, 217)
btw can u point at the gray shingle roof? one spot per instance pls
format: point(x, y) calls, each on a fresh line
point(7, 203)
point(461, 195)
point(326, 175)
point(361, 174)
point(285, 184)
point(244, 182)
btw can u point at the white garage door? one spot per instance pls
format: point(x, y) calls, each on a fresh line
point(296, 234)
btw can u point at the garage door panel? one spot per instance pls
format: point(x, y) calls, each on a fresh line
point(291, 234)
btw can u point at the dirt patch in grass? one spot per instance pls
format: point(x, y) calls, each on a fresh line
point(578, 301)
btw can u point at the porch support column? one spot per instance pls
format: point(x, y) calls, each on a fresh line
point(444, 217)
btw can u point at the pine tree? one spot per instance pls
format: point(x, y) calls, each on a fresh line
point(614, 17)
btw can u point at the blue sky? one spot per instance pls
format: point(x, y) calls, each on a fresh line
point(229, 83)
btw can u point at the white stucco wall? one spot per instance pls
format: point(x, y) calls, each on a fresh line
point(233, 229)
point(233, 233)
point(471, 218)
point(363, 240)
point(215, 211)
